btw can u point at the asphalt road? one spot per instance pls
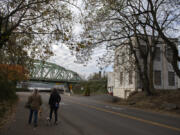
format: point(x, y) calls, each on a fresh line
point(86, 116)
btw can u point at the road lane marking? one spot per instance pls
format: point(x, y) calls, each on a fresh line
point(127, 116)
point(114, 108)
point(131, 107)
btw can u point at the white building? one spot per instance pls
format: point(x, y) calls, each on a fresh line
point(127, 81)
point(110, 82)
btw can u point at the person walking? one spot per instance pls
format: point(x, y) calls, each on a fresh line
point(54, 101)
point(35, 102)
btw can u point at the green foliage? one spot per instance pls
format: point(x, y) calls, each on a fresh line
point(8, 96)
point(87, 91)
point(91, 87)
point(7, 89)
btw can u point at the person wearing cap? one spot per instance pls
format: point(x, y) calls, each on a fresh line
point(35, 102)
point(54, 101)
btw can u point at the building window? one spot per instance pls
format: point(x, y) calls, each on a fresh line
point(130, 77)
point(143, 49)
point(158, 54)
point(121, 78)
point(157, 77)
point(171, 78)
point(169, 54)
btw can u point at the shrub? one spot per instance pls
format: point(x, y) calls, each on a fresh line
point(90, 87)
point(7, 89)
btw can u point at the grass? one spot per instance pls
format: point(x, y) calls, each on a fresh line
point(92, 92)
point(157, 102)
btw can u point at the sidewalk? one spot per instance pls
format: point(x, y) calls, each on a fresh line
point(18, 125)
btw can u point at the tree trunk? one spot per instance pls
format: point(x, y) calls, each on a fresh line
point(168, 42)
point(151, 64)
point(146, 87)
point(147, 84)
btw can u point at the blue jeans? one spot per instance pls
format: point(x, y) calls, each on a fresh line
point(35, 116)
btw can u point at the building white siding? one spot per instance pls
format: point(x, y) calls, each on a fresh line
point(164, 66)
point(162, 70)
point(110, 83)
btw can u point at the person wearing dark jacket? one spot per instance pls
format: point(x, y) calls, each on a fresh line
point(54, 101)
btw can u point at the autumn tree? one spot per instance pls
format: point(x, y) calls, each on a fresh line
point(28, 28)
point(34, 25)
point(117, 23)
point(13, 72)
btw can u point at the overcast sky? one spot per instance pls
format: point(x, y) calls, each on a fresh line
point(64, 58)
point(63, 55)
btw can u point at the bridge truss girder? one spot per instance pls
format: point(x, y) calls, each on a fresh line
point(51, 72)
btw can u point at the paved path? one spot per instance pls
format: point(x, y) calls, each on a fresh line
point(85, 116)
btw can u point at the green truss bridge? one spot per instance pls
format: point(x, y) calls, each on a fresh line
point(49, 72)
